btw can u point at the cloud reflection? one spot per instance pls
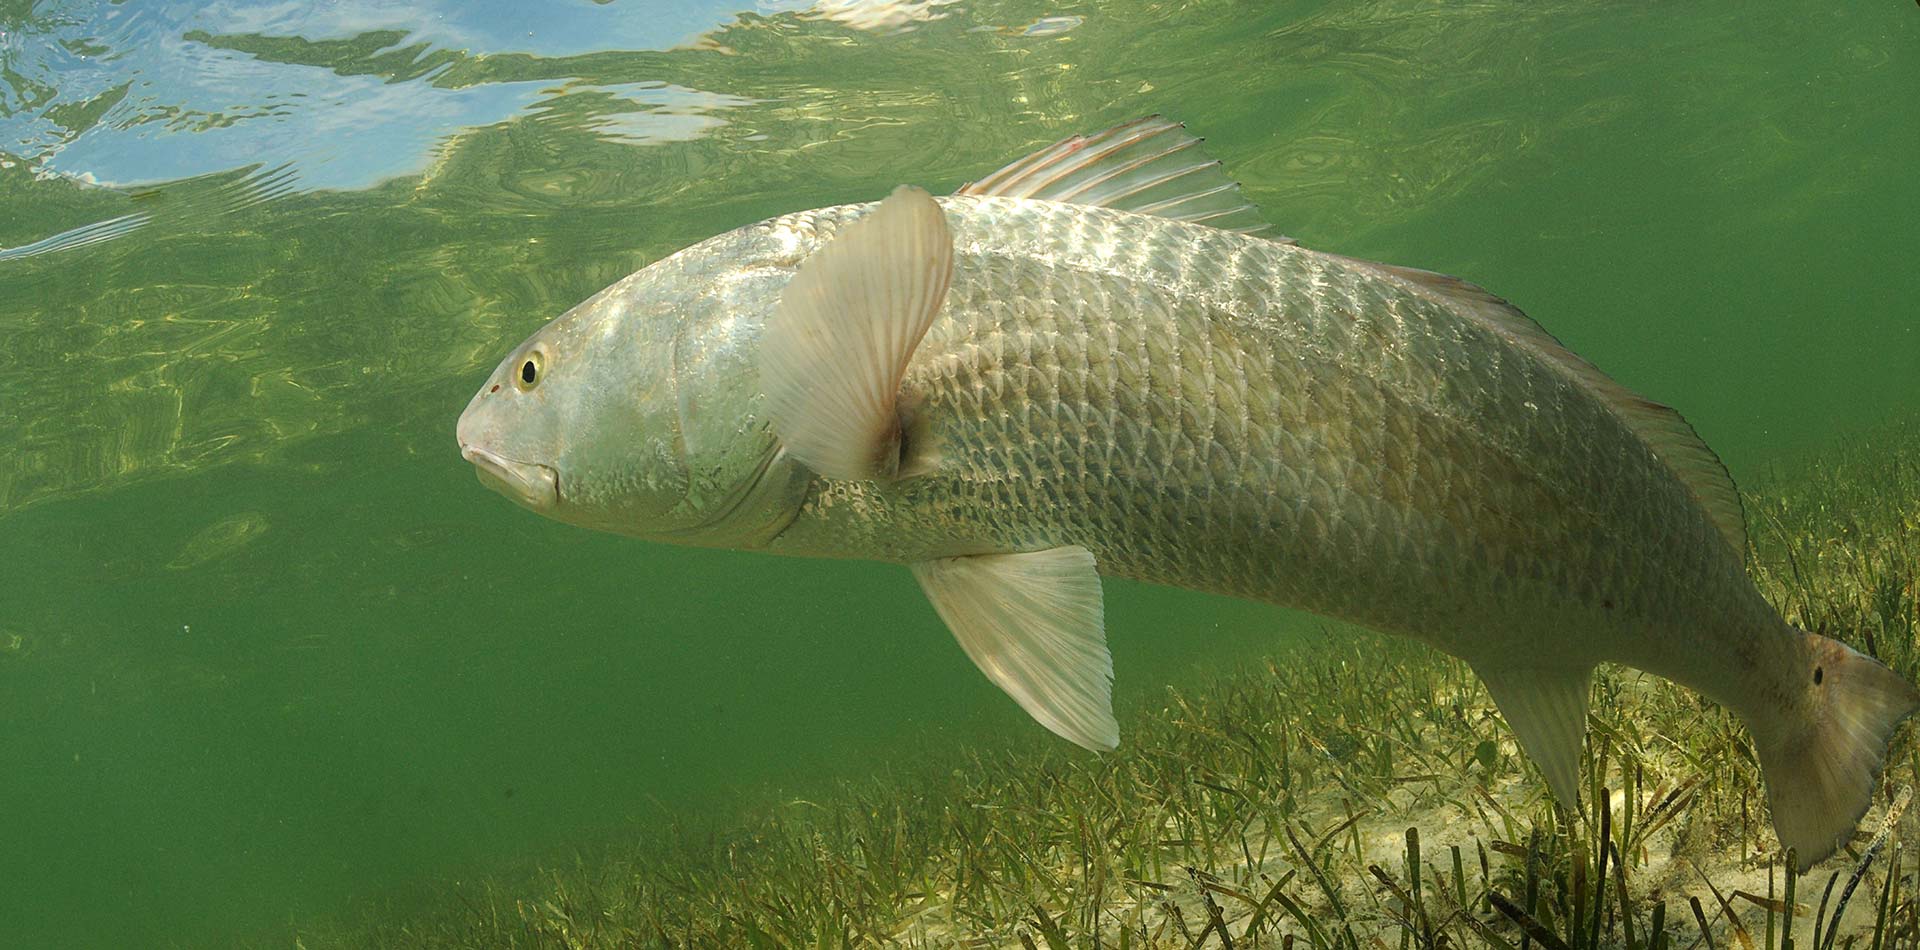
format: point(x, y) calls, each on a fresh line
point(886, 16)
point(651, 113)
point(120, 94)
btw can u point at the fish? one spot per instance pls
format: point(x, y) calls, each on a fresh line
point(1100, 360)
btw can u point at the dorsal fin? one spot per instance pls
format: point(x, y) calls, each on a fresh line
point(1670, 437)
point(1149, 166)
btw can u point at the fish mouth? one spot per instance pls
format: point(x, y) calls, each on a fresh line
point(529, 484)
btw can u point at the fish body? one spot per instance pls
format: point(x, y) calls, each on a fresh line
point(1094, 387)
point(1232, 414)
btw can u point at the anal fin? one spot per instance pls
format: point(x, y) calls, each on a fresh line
point(1547, 708)
point(1034, 624)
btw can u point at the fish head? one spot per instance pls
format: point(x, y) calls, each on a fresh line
point(571, 423)
point(638, 412)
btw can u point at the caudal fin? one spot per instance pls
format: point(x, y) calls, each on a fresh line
point(1821, 767)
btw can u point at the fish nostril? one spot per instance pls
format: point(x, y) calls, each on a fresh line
point(495, 389)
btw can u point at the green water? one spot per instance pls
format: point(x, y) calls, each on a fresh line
point(267, 651)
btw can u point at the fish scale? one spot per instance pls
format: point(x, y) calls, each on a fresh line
point(1075, 389)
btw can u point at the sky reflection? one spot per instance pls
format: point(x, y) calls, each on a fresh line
point(121, 94)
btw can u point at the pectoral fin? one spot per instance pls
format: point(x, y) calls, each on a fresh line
point(837, 345)
point(1033, 623)
point(1547, 709)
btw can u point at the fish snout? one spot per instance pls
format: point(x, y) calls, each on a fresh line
point(528, 484)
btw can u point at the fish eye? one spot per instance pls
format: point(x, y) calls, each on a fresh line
point(529, 375)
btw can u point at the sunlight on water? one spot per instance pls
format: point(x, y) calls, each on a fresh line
point(268, 651)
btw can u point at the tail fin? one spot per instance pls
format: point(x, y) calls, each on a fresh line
point(1821, 768)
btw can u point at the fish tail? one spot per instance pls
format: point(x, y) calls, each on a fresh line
point(1822, 758)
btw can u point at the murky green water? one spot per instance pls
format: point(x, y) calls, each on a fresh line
point(267, 652)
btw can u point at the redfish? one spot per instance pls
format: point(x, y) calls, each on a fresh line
point(1094, 362)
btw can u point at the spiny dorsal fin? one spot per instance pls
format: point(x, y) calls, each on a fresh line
point(1149, 166)
point(1670, 437)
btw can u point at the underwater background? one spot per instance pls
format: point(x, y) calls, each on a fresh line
point(270, 656)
